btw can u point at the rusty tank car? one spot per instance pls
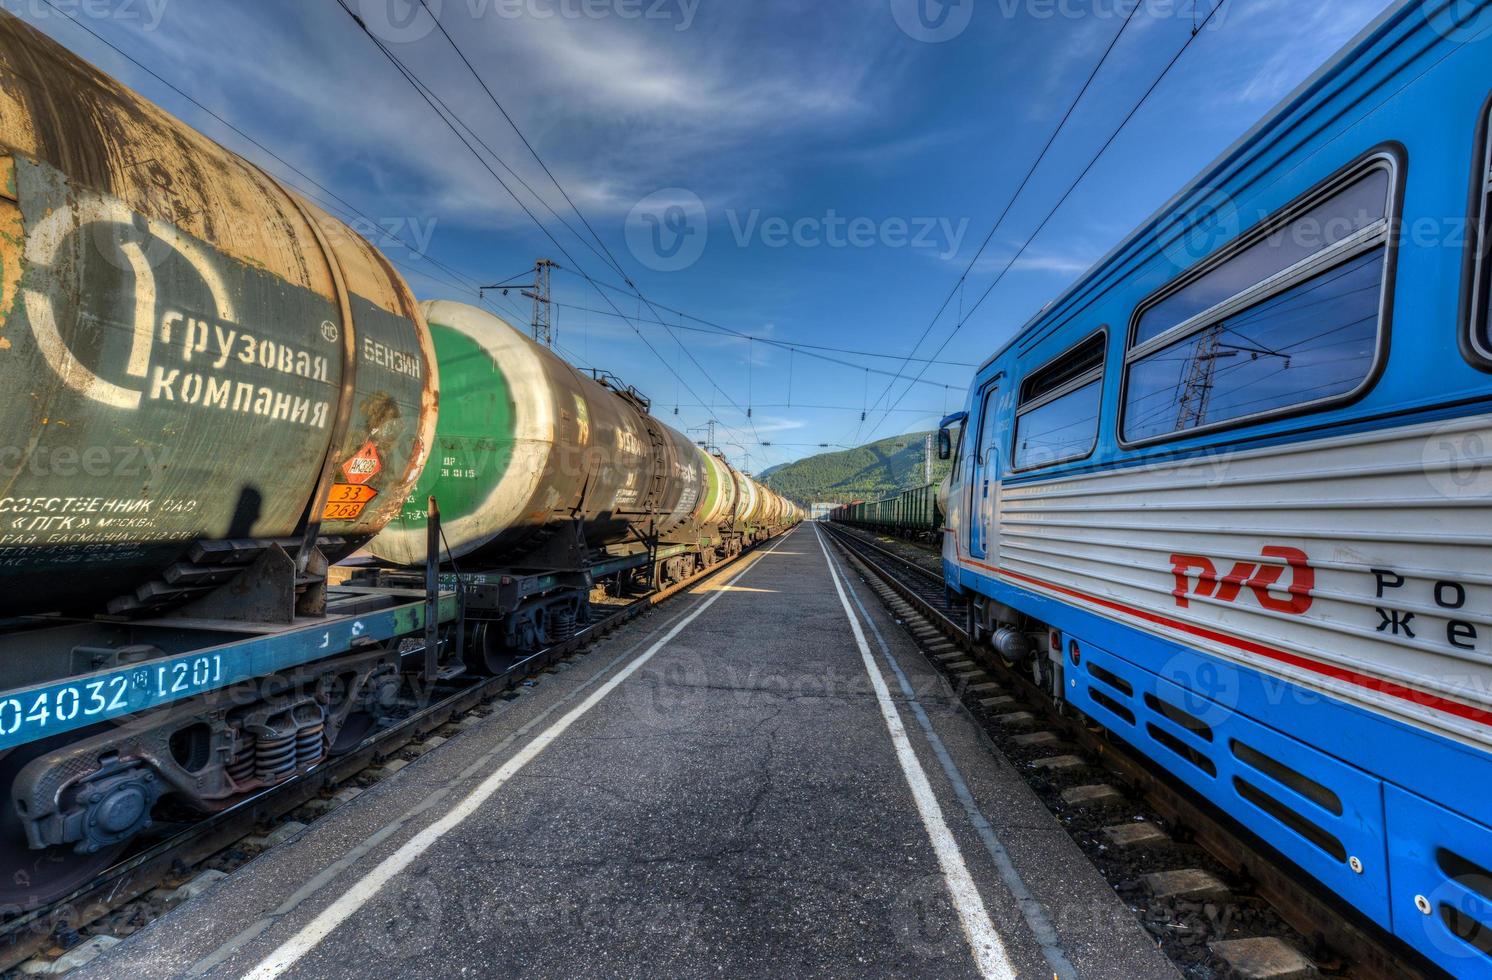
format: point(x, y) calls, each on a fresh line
point(547, 478)
point(193, 354)
point(211, 390)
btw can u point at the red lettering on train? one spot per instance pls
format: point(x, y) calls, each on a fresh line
point(1258, 577)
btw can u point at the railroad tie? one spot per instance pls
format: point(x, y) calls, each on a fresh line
point(1060, 763)
point(1096, 794)
point(1140, 834)
point(1264, 959)
point(1192, 884)
point(278, 836)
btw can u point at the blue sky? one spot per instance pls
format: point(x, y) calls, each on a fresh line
point(818, 171)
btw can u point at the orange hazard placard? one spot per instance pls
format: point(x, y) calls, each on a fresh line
point(346, 502)
point(363, 466)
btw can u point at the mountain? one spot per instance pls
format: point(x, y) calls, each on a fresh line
point(876, 470)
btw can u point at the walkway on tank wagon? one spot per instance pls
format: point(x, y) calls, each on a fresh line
point(764, 776)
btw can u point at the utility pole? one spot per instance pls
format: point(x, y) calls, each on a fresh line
point(927, 456)
point(1196, 390)
point(543, 307)
point(1195, 396)
point(709, 444)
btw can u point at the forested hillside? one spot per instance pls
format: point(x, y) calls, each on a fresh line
point(876, 470)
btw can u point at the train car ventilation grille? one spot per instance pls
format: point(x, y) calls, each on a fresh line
point(1112, 679)
point(1464, 872)
point(1476, 879)
point(1470, 931)
point(1182, 749)
point(1285, 815)
point(1105, 701)
point(1185, 719)
point(1285, 776)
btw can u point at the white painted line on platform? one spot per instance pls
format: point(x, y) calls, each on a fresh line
point(364, 890)
point(984, 938)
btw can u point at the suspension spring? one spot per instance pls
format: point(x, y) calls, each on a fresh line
point(241, 769)
point(310, 745)
point(274, 757)
point(564, 626)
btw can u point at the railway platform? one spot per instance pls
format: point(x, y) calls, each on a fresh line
point(762, 777)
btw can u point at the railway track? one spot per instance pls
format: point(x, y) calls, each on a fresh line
point(1220, 901)
point(129, 894)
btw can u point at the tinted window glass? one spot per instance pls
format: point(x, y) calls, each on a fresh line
point(1313, 341)
point(1339, 217)
point(1086, 357)
point(1064, 428)
point(989, 428)
point(1481, 297)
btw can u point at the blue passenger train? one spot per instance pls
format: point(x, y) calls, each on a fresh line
point(1230, 495)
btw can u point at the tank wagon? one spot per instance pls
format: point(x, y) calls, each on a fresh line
point(1228, 496)
point(212, 390)
point(549, 480)
point(916, 514)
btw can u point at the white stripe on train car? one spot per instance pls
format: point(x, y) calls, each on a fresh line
point(1354, 565)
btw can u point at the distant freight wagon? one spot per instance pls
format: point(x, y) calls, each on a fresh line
point(916, 514)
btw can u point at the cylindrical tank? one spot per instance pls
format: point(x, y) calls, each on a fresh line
point(718, 505)
point(526, 443)
point(750, 500)
point(766, 515)
point(188, 351)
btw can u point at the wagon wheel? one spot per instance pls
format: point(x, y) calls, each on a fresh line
point(30, 879)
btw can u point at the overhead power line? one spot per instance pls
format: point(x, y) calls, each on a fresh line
point(453, 121)
point(1073, 186)
point(827, 408)
point(455, 125)
point(608, 257)
point(789, 345)
point(336, 203)
point(1010, 204)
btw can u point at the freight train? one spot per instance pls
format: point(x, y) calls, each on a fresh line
point(1229, 495)
point(213, 391)
point(581, 478)
point(915, 514)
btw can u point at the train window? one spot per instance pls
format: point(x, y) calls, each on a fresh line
point(1057, 419)
point(989, 428)
point(1358, 209)
point(1291, 320)
point(1480, 322)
